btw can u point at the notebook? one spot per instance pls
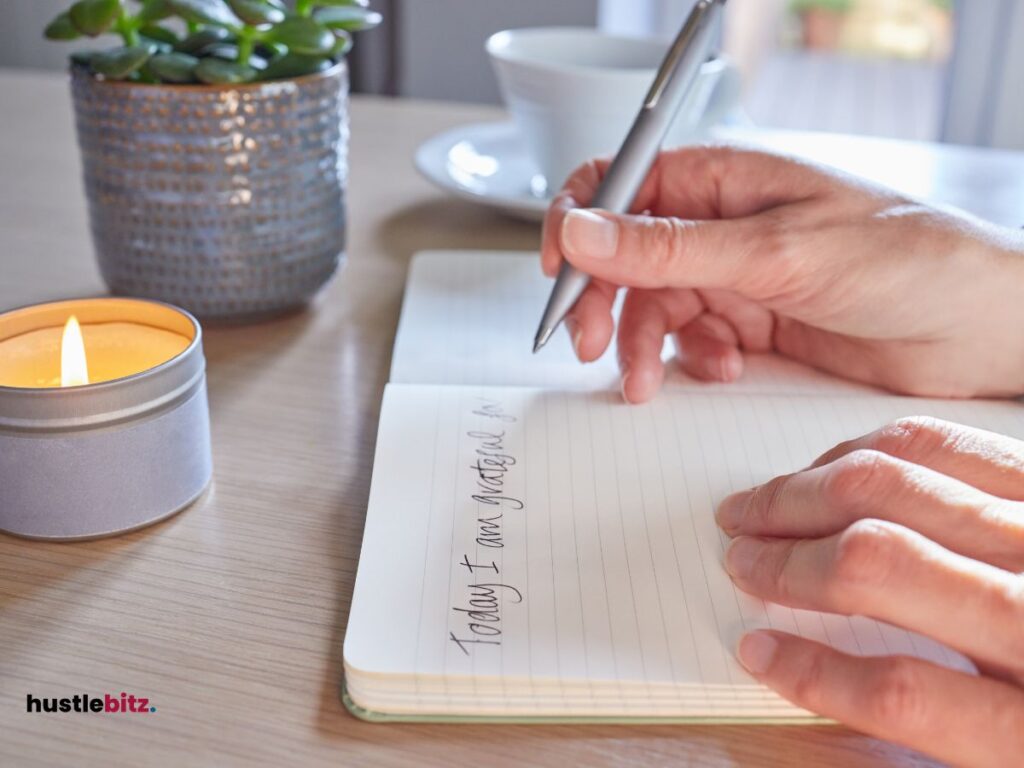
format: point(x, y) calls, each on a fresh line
point(537, 550)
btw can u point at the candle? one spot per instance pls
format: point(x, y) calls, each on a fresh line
point(103, 417)
point(113, 350)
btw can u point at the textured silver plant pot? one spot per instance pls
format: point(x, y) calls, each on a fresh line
point(228, 201)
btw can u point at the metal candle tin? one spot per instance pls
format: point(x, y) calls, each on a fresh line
point(101, 459)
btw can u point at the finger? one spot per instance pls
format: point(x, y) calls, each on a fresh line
point(891, 573)
point(647, 316)
point(990, 462)
point(696, 184)
point(837, 354)
point(590, 322)
point(953, 716)
point(751, 322)
point(579, 190)
point(665, 252)
point(868, 484)
point(550, 251)
point(707, 349)
point(712, 182)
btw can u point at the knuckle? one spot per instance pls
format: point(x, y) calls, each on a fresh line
point(777, 571)
point(1015, 538)
point(912, 437)
point(1015, 542)
point(775, 241)
point(858, 474)
point(897, 695)
point(834, 454)
point(809, 683)
point(564, 200)
point(1008, 608)
point(864, 558)
point(785, 276)
point(663, 241)
point(766, 503)
point(704, 161)
point(582, 181)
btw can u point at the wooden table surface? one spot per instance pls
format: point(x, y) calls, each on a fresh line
point(230, 616)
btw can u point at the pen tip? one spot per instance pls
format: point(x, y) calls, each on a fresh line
point(542, 338)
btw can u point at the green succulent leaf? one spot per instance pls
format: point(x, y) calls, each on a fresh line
point(229, 52)
point(226, 51)
point(206, 12)
point(227, 41)
point(294, 65)
point(154, 10)
point(345, 3)
point(82, 58)
point(118, 63)
point(302, 35)
point(173, 67)
point(198, 41)
point(94, 17)
point(352, 18)
point(256, 12)
point(61, 28)
point(159, 34)
point(270, 50)
point(161, 47)
point(342, 45)
point(218, 71)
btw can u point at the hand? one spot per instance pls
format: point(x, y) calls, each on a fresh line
point(744, 251)
point(920, 524)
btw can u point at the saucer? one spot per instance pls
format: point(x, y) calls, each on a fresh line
point(486, 163)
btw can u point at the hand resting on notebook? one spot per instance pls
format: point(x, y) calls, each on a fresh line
point(920, 524)
point(746, 251)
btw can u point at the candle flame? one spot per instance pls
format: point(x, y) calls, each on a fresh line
point(74, 371)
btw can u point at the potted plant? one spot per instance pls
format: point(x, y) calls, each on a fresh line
point(822, 21)
point(213, 143)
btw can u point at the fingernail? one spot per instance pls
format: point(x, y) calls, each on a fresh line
point(644, 384)
point(572, 325)
point(740, 556)
point(729, 368)
point(732, 509)
point(716, 368)
point(625, 378)
point(756, 652)
point(588, 234)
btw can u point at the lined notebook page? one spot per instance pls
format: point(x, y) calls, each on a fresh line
point(565, 539)
point(469, 317)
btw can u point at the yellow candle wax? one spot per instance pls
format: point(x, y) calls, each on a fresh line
point(113, 350)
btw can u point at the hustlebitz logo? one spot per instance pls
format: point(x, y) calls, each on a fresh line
point(125, 703)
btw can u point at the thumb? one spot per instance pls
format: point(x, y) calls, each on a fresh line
point(665, 252)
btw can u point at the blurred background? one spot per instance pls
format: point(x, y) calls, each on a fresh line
point(941, 70)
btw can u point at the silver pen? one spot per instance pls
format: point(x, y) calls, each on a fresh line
point(675, 77)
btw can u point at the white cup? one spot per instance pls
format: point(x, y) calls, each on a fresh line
point(574, 93)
